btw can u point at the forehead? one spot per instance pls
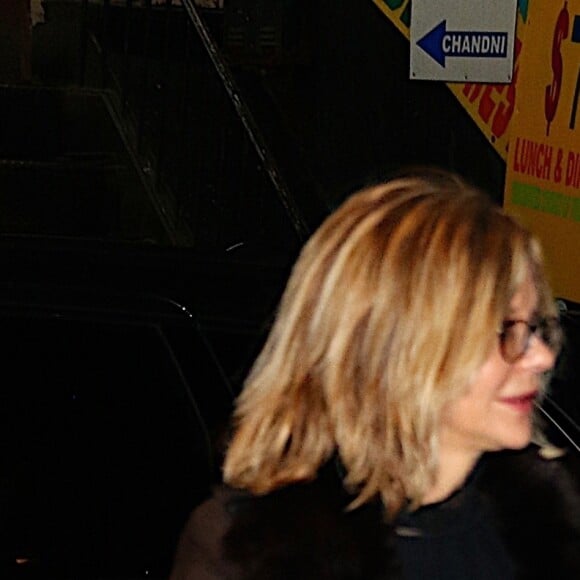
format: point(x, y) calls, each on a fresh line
point(525, 300)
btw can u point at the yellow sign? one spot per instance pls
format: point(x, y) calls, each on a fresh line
point(491, 106)
point(543, 169)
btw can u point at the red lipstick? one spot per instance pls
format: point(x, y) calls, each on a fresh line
point(521, 403)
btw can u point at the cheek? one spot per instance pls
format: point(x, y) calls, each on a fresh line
point(491, 377)
point(486, 386)
point(479, 421)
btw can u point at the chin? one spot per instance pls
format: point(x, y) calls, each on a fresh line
point(518, 439)
point(522, 444)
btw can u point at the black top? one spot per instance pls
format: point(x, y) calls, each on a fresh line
point(302, 531)
point(452, 540)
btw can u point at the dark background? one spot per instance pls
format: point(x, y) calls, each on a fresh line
point(160, 168)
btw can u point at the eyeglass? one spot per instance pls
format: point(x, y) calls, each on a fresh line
point(515, 336)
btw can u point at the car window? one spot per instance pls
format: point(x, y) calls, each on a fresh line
point(103, 451)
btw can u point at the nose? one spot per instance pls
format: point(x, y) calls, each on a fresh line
point(539, 357)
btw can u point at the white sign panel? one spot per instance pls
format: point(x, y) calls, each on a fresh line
point(463, 40)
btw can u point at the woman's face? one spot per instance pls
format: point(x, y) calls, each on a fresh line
point(495, 413)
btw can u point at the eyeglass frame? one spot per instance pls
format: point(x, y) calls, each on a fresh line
point(545, 328)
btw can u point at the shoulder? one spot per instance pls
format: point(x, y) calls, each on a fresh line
point(518, 477)
point(306, 530)
point(535, 497)
point(301, 531)
point(199, 554)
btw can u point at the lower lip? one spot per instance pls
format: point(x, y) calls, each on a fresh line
point(520, 404)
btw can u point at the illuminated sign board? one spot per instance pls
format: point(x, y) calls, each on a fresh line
point(543, 166)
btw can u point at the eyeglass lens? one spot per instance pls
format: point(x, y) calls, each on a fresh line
point(516, 334)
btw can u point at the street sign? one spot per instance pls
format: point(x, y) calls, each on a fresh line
point(463, 40)
point(491, 106)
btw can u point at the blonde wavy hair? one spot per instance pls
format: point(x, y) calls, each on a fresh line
point(393, 305)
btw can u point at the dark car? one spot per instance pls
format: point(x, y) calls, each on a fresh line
point(116, 392)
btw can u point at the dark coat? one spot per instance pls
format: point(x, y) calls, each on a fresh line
point(303, 532)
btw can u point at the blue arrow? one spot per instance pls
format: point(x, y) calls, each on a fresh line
point(440, 43)
point(432, 43)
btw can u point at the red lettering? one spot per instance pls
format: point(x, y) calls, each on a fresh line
point(531, 158)
point(552, 95)
point(486, 103)
point(573, 169)
point(504, 114)
point(467, 88)
point(547, 170)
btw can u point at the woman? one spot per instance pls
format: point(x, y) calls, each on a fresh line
point(413, 340)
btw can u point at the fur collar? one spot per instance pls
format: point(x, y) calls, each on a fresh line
point(302, 531)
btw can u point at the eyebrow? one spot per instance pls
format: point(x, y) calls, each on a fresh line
point(513, 314)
